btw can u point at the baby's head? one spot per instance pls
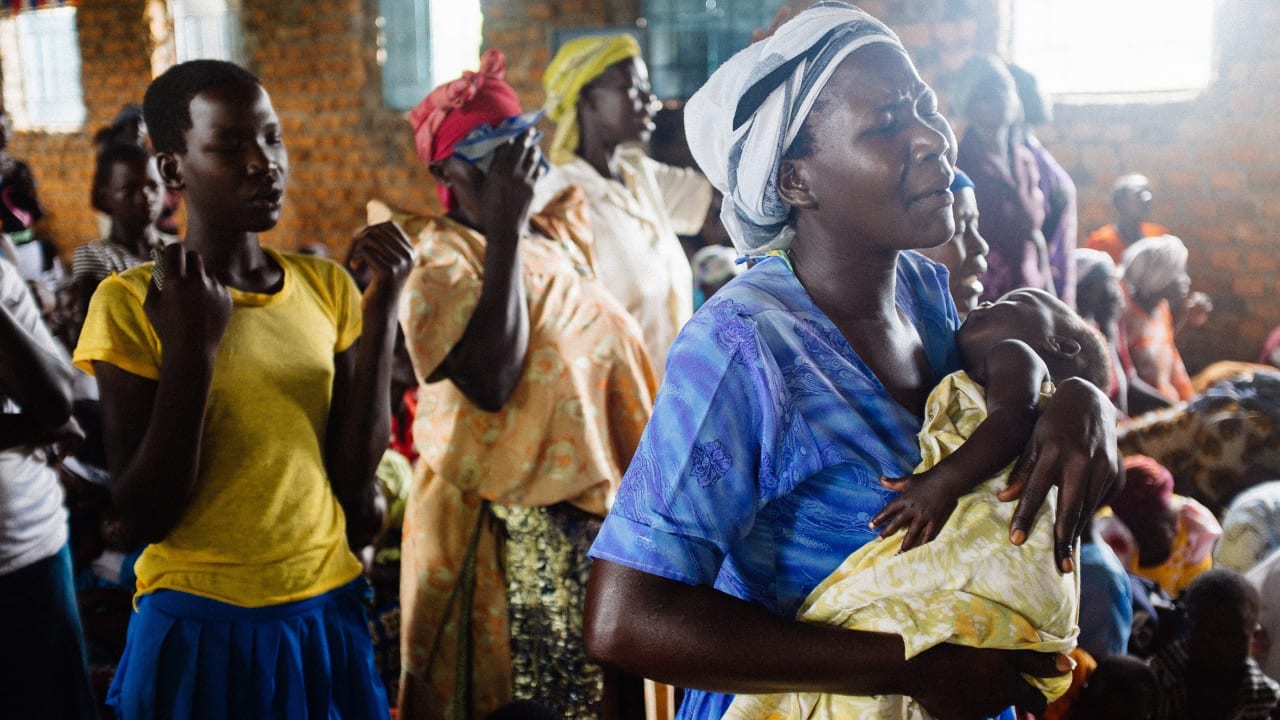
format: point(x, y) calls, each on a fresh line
point(1222, 615)
point(1066, 343)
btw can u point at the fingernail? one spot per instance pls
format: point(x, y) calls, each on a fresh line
point(1068, 564)
point(1018, 537)
point(1064, 663)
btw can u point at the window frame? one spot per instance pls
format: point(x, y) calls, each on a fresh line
point(39, 92)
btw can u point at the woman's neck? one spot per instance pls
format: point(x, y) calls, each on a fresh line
point(604, 158)
point(848, 287)
point(235, 259)
point(1130, 231)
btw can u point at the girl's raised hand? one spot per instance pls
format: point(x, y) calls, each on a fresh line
point(187, 306)
point(387, 253)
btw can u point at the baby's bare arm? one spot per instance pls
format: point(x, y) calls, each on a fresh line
point(1015, 374)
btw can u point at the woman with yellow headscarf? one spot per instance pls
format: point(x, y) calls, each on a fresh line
point(598, 95)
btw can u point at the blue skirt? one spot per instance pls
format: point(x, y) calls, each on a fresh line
point(192, 658)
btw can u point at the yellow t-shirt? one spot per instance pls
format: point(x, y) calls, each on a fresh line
point(264, 526)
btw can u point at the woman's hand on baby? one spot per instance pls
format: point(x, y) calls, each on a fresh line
point(925, 502)
point(188, 307)
point(508, 186)
point(1073, 446)
point(965, 683)
point(387, 253)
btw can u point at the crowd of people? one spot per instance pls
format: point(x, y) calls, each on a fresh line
point(842, 421)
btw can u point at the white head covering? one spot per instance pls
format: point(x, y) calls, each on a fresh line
point(745, 118)
point(1153, 262)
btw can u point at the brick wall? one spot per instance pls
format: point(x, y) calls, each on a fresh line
point(1214, 161)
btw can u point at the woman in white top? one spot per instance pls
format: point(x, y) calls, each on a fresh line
point(598, 95)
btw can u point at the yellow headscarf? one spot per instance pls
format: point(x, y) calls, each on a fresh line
point(577, 63)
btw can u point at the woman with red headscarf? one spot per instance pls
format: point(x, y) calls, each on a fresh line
point(535, 386)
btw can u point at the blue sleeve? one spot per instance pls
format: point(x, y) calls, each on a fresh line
point(694, 485)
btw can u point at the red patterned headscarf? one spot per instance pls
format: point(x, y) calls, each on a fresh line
point(450, 112)
point(1148, 490)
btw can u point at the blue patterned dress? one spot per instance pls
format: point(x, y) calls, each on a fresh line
point(760, 467)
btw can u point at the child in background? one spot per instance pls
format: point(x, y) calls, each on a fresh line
point(713, 266)
point(1208, 674)
point(972, 586)
point(127, 187)
point(1172, 535)
point(1122, 687)
point(42, 658)
point(245, 398)
point(20, 210)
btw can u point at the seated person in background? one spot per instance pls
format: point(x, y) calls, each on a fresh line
point(1250, 528)
point(1106, 597)
point(1100, 299)
point(1208, 674)
point(1172, 535)
point(964, 582)
point(1155, 276)
point(127, 187)
point(1270, 353)
point(965, 254)
point(1121, 687)
point(1131, 197)
point(1265, 578)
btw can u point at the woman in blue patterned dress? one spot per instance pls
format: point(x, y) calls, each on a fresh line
point(793, 391)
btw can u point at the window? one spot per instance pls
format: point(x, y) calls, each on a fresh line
point(1106, 47)
point(40, 59)
point(689, 39)
point(207, 29)
point(422, 44)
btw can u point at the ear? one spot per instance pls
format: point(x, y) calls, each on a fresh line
point(170, 167)
point(793, 187)
point(1063, 346)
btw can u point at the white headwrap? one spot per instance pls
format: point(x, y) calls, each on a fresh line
point(1152, 263)
point(745, 118)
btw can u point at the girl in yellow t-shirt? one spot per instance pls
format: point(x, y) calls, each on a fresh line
point(245, 401)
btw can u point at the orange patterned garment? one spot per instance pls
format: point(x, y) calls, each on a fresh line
point(1151, 348)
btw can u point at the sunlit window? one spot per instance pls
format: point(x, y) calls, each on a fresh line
point(40, 59)
point(422, 44)
point(689, 39)
point(1115, 46)
point(207, 29)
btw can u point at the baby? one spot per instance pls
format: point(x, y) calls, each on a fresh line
point(972, 586)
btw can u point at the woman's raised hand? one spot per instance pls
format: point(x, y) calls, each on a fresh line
point(1073, 447)
point(508, 186)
